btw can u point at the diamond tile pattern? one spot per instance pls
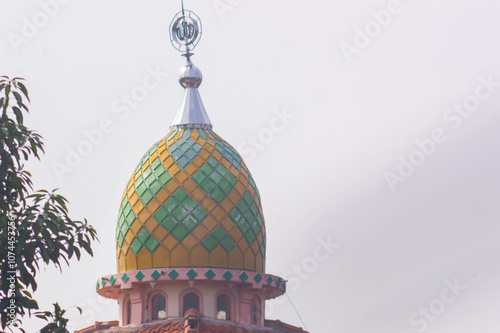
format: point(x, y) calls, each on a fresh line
point(210, 274)
point(228, 152)
point(218, 237)
point(144, 239)
point(190, 202)
point(155, 275)
point(191, 273)
point(180, 215)
point(139, 276)
point(185, 150)
point(151, 181)
point(247, 218)
point(214, 179)
point(126, 218)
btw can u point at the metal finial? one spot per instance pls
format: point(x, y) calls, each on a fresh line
point(185, 31)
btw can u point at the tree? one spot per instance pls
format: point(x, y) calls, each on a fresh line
point(35, 228)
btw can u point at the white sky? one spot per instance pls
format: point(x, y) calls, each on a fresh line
point(323, 175)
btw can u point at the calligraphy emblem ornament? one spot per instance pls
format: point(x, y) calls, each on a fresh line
point(185, 31)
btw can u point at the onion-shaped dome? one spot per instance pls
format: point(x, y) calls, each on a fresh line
point(191, 201)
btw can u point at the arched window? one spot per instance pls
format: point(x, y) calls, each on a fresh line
point(223, 307)
point(158, 307)
point(127, 311)
point(255, 311)
point(191, 301)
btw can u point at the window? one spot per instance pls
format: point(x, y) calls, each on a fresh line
point(158, 306)
point(255, 311)
point(191, 301)
point(223, 307)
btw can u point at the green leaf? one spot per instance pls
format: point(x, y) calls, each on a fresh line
point(19, 115)
point(24, 90)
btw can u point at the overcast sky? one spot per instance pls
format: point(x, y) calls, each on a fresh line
point(373, 126)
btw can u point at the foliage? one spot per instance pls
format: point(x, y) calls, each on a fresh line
point(35, 227)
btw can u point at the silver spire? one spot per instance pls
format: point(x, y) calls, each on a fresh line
point(191, 113)
point(185, 33)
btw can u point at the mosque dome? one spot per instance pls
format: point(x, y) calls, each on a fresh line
point(191, 201)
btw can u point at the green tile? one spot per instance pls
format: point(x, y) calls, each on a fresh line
point(215, 180)
point(173, 274)
point(143, 235)
point(227, 275)
point(112, 280)
point(227, 244)
point(124, 277)
point(155, 275)
point(139, 276)
point(269, 280)
point(247, 218)
point(219, 233)
point(136, 246)
point(243, 276)
point(210, 274)
point(278, 282)
point(180, 215)
point(228, 152)
point(191, 273)
point(210, 243)
point(103, 282)
point(151, 244)
point(257, 278)
point(184, 150)
point(202, 134)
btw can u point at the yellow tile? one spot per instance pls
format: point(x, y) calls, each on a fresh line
point(189, 185)
point(227, 223)
point(191, 169)
point(181, 176)
point(171, 187)
point(218, 258)
point(234, 196)
point(235, 235)
point(144, 259)
point(210, 222)
point(129, 238)
point(121, 265)
point(150, 224)
point(255, 247)
point(173, 169)
point(159, 233)
point(131, 261)
point(198, 161)
point(135, 203)
point(161, 257)
point(130, 192)
point(240, 188)
point(236, 258)
point(200, 232)
point(189, 242)
point(249, 261)
point(259, 263)
point(219, 213)
point(194, 134)
point(217, 155)
point(208, 204)
point(227, 205)
point(162, 196)
point(144, 215)
point(169, 242)
point(243, 245)
point(198, 256)
point(198, 195)
point(179, 256)
point(136, 226)
point(153, 206)
point(225, 164)
point(204, 154)
point(260, 237)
